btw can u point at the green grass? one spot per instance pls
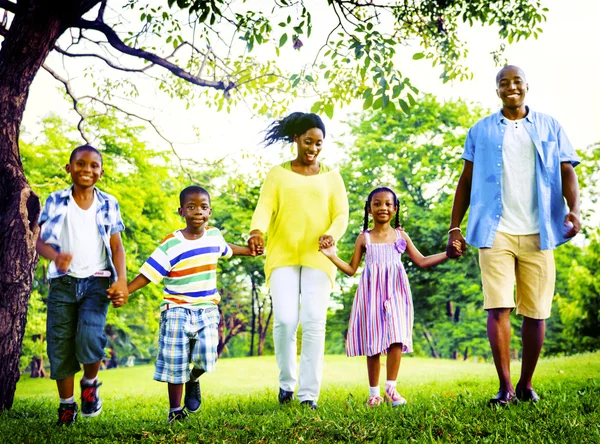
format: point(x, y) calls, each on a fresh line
point(447, 402)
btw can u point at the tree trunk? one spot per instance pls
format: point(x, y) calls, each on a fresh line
point(32, 34)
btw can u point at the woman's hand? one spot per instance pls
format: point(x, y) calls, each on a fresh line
point(326, 241)
point(256, 243)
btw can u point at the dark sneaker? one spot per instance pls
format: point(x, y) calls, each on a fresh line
point(525, 394)
point(178, 415)
point(285, 396)
point(91, 404)
point(310, 403)
point(504, 398)
point(67, 414)
point(192, 398)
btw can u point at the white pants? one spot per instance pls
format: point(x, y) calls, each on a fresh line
point(300, 295)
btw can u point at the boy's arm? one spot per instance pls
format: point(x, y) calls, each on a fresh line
point(240, 251)
point(349, 269)
point(61, 260)
point(118, 290)
point(140, 281)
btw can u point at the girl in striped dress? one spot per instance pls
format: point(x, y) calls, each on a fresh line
point(381, 320)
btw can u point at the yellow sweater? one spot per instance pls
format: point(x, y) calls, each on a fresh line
point(295, 210)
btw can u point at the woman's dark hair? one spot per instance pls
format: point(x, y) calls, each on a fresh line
point(368, 205)
point(293, 125)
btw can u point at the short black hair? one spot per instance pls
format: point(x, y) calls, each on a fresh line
point(89, 148)
point(192, 189)
point(293, 125)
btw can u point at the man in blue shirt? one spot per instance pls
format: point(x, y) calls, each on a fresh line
point(518, 173)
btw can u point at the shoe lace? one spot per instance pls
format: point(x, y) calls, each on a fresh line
point(89, 394)
point(392, 393)
point(196, 389)
point(67, 415)
point(374, 401)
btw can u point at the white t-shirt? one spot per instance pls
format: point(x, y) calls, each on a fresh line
point(80, 237)
point(519, 194)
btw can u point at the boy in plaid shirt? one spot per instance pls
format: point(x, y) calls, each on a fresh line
point(186, 263)
point(80, 235)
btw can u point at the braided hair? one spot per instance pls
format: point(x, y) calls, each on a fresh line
point(368, 205)
point(293, 125)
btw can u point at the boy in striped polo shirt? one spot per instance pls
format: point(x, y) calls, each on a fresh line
point(186, 263)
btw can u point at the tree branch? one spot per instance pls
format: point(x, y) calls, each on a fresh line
point(69, 91)
point(118, 44)
point(105, 60)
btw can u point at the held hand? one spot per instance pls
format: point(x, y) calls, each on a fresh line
point(256, 243)
point(326, 241)
point(118, 293)
point(572, 225)
point(329, 251)
point(456, 245)
point(62, 261)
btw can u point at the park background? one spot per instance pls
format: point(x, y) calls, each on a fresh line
point(416, 152)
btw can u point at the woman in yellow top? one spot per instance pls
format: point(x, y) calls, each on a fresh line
point(302, 207)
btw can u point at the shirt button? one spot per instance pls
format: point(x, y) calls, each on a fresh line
point(497, 183)
point(499, 146)
point(497, 216)
point(498, 164)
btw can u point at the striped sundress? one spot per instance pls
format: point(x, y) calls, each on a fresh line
point(382, 313)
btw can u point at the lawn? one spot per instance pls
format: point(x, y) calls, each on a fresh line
point(447, 401)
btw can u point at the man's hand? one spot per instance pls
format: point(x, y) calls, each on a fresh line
point(457, 245)
point(572, 224)
point(329, 251)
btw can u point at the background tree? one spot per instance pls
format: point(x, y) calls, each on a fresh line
point(357, 49)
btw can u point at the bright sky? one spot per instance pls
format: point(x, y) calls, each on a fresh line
point(562, 69)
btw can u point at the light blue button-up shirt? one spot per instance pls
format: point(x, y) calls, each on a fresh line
point(108, 219)
point(483, 147)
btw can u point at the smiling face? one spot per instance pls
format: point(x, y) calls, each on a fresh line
point(85, 168)
point(309, 146)
point(196, 210)
point(383, 207)
point(512, 87)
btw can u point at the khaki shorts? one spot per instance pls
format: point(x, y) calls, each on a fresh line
point(518, 257)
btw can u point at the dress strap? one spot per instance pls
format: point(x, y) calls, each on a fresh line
point(367, 237)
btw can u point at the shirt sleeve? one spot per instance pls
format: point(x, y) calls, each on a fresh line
point(567, 152)
point(45, 214)
point(338, 208)
point(226, 251)
point(469, 152)
point(266, 205)
point(157, 266)
point(117, 225)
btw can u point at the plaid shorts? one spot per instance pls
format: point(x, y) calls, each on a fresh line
point(186, 336)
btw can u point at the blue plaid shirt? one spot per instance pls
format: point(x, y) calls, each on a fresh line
point(108, 219)
point(483, 147)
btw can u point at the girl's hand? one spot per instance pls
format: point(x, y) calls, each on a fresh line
point(457, 247)
point(329, 251)
point(326, 241)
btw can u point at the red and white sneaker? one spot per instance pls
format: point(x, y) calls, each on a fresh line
point(393, 397)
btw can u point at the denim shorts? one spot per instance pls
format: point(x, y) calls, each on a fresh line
point(77, 310)
point(186, 337)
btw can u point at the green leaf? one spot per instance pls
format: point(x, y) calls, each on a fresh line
point(368, 102)
point(377, 104)
point(418, 56)
point(309, 79)
point(329, 110)
point(316, 107)
point(282, 40)
point(404, 106)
